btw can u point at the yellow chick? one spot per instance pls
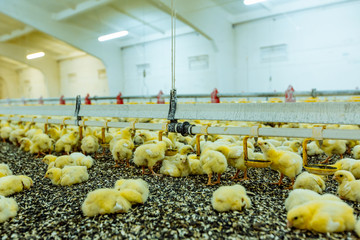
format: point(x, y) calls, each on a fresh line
point(49, 159)
point(54, 133)
point(176, 166)
point(134, 190)
point(67, 142)
point(350, 165)
point(149, 155)
point(82, 160)
point(25, 144)
point(8, 208)
point(5, 132)
point(32, 132)
point(313, 149)
point(14, 183)
point(5, 170)
point(89, 144)
point(322, 216)
point(41, 143)
point(349, 188)
point(195, 165)
point(228, 198)
point(16, 135)
point(293, 146)
point(356, 152)
point(213, 161)
point(67, 176)
point(300, 196)
point(122, 150)
point(104, 201)
point(63, 161)
point(310, 181)
point(331, 147)
point(285, 162)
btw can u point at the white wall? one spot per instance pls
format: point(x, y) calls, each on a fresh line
point(83, 75)
point(323, 50)
point(10, 84)
point(31, 83)
point(157, 54)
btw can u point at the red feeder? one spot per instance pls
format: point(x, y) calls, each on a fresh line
point(62, 100)
point(119, 100)
point(214, 96)
point(87, 100)
point(160, 99)
point(289, 94)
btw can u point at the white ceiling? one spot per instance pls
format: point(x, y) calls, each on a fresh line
point(142, 18)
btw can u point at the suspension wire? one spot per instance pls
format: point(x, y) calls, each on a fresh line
point(173, 31)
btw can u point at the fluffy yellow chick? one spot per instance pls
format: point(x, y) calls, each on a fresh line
point(8, 208)
point(349, 188)
point(322, 216)
point(122, 150)
point(16, 135)
point(41, 143)
point(32, 132)
point(67, 142)
point(213, 161)
point(356, 152)
point(350, 143)
point(54, 133)
point(300, 196)
point(25, 144)
point(312, 149)
point(5, 170)
point(149, 155)
point(293, 146)
point(14, 183)
point(104, 201)
point(134, 190)
point(285, 162)
point(195, 165)
point(67, 176)
point(331, 147)
point(176, 166)
point(63, 161)
point(5, 132)
point(82, 160)
point(350, 165)
point(310, 181)
point(49, 159)
point(89, 144)
point(228, 198)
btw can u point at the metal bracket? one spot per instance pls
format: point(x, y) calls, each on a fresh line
point(77, 109)
point(172, 106)
point(317, 133)
point(313, 93)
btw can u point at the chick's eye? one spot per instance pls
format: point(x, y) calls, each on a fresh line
point(341, 175)
point(295, 218)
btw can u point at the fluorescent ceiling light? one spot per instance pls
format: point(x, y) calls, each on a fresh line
point(35, 55)
point(112, 36)
point(249, 2)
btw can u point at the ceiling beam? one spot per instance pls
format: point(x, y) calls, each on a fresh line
point(79, 8)
point(284, 9)
point(16, 33)
point(137, 19)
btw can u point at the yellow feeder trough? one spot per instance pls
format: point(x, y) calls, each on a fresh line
point(319, 169)
point(255, 163)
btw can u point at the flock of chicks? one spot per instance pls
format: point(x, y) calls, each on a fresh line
point(180, 156)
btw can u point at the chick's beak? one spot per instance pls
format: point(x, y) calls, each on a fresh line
point(334, 177)
point(289, 224)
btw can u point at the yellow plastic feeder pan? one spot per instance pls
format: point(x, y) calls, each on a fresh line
point(311, 99)
point(275, 100)
point(319, 169)
point(354, 99)
point(255, 163)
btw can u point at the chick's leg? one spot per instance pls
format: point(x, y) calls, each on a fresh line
point(326, 160)
point(292, 184)
point(209, 179)
point(280, 180)
point(218, 179)
point(154, 173)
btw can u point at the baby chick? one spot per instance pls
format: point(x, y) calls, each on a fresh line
point(322, 216)
point(228, 198)
point(356, 152)
point(25, 144)
point(331, 147)
point(104, 201)
point(213, 161)
point(149, 155)
point(89, 144)
point(8, 208)
point(300, 196)
point(285, 162)
point(310, 181)
point(349, 188)
point(41, 143)
point(67, 176)
point(5, 170)
point(82, 160)
point(14, 183)
point(350, 165)
point(195, 165)
point(313, 148)
point(63, 161)
point(134, 190)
